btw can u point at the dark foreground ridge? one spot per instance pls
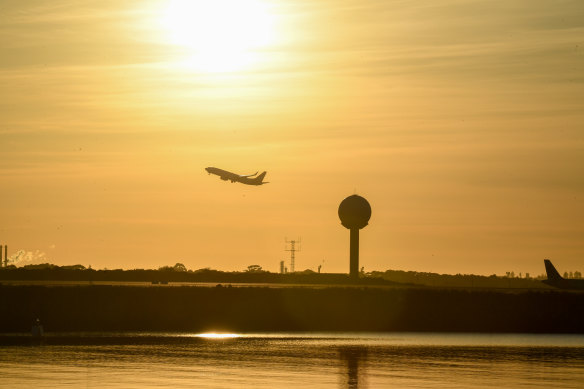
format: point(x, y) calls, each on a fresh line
point(249, 309)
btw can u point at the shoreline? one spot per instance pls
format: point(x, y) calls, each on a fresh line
point(348, 339)
point(333, 308)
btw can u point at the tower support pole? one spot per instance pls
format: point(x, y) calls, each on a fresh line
point(354, 253)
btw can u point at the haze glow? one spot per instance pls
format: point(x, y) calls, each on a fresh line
point(460, 122)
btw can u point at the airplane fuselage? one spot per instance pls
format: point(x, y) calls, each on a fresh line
point(566, 283)
point(233, 177)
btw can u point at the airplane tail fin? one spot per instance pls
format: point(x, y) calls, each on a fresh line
point(552, 273)
point(259, 179)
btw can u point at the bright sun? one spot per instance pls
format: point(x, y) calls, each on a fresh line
point(224, 35)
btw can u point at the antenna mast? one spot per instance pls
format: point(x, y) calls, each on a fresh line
point(293, 249)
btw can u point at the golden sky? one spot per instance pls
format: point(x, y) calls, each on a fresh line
point(462, 123)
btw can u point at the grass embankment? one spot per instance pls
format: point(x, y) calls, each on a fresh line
point(336, 308)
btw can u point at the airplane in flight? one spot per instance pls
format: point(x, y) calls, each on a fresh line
point(555, 279)
point(244, 179)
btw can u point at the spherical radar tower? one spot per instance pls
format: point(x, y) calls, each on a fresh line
point(354, 212)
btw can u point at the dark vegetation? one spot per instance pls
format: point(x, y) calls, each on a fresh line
point(254, 274)
point(249, 309)
point(166, 275)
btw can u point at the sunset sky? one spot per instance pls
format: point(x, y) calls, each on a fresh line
point(461, 121)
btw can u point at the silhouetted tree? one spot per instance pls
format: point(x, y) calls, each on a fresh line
point(179, 267)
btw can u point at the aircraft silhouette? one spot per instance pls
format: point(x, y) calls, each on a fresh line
point(555, 279)
point(244, 179)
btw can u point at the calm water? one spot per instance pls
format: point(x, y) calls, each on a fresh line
point(395, 360)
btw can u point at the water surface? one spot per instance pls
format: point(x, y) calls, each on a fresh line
point(399, 360)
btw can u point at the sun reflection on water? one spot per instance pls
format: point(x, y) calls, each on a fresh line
point(213, 335)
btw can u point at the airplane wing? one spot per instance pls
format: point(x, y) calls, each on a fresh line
point(249, 175)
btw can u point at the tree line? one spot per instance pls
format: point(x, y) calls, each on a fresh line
point(255, 274)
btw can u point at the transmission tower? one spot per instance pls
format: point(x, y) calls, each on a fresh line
point(293, 249)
